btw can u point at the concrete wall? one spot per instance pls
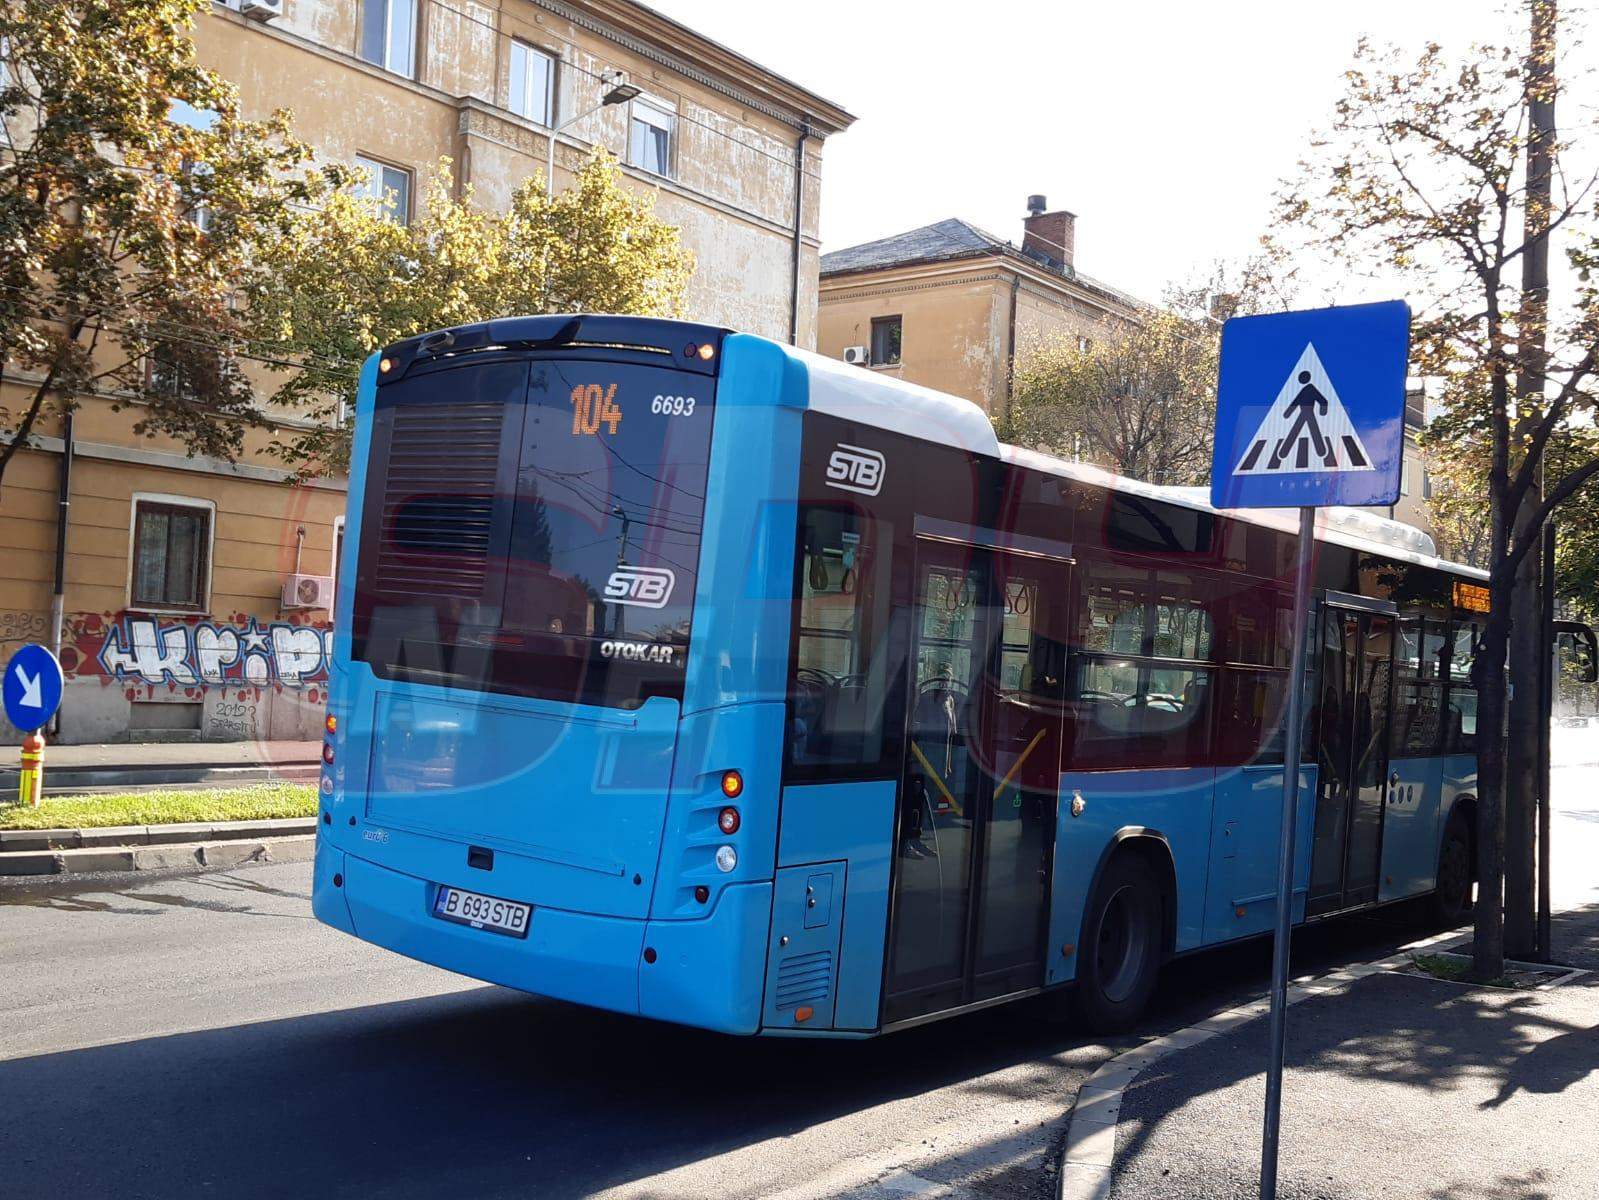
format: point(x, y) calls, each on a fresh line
point(731, 192)
point(244, 668)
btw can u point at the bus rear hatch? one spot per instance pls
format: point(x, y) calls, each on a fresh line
point(529, 539)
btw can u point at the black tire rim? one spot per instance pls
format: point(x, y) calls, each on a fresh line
point(1124, 938)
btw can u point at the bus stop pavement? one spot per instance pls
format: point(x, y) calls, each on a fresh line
point(1397, 1085)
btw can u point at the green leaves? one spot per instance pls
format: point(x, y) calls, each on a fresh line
point(345, 281)
point(1139, 399)
point(132, 197)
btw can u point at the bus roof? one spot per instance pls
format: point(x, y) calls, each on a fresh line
point(883, 402)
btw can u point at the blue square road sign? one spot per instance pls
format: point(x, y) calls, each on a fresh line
point(1310, 408)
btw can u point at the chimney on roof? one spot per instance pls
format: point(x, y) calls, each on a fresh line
point(1051, 236)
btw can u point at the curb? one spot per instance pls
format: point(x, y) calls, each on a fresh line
point(1088, 1159)
point(173, 856)
point(12, 840)
point(68, 780)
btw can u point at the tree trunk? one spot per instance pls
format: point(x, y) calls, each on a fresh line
point(1524, 773)
point(1521, 760)
point(1488, 934)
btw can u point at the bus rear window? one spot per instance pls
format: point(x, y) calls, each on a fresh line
point(531, 525)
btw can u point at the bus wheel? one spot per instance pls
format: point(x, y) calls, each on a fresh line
point(1121, 946)
point(1453, 893)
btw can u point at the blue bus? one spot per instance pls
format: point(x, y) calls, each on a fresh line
point(685, 674)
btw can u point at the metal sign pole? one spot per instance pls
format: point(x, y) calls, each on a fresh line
point(1285, 855)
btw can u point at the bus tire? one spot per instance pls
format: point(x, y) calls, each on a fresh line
point(1121, 947)
point(1452, 893)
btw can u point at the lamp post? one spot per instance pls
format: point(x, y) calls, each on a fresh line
point(618, 91)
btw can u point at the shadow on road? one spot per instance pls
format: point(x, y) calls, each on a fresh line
point(490, 1092)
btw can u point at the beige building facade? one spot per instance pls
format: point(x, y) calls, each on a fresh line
point(953, 307)
point(195, 594)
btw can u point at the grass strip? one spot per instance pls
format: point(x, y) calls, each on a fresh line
point(155, 806)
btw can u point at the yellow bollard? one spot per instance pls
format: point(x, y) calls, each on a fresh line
point(31, 790)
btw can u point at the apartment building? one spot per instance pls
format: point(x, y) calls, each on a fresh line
point(194, 593)
point(954, 307)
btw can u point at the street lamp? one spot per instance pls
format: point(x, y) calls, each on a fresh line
point(619, 92)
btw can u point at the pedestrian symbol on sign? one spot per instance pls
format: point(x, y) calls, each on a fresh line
point(1306, 429)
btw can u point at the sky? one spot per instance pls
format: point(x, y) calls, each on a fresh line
point(1165, 126)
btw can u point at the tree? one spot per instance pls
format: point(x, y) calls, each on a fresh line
point(1442, 173)
point(131, 196)
point(349, 279)
point(1459, 482)
point(1139, 400)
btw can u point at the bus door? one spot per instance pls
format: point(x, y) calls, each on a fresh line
point(975, 835)
point(1355, 681)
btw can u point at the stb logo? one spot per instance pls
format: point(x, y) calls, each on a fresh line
point(643, 587)
point(855, 469)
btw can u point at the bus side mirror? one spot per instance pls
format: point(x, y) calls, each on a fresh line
point(1577, 650)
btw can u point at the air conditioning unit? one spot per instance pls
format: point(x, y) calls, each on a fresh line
point(857, 356)
point(260, 10)
point(308, 591)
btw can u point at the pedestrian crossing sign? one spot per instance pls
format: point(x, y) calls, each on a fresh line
point(1310, 408)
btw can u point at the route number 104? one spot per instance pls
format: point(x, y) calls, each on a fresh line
point(592, 406)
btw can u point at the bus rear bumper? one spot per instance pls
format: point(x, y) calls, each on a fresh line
point(567, 956)
point(705, 972)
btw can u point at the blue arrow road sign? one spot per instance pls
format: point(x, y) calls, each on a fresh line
point(32, 689)
point(1310, 408)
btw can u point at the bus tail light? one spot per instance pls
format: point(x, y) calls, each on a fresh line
point(727, 820)
point(726, 859)
point(327, 752)
point(732, 785)
point(331, 724)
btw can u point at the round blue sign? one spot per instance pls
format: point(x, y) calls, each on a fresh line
point(32, 689)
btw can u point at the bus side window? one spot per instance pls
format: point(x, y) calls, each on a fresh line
point(1460, 728)
point(1139, 689)
point(841, 671)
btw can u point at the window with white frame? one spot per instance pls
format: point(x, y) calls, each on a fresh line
point(533, 83)
point(169, 370)
point(388, 35)
point(650, 132)
point(389, 187)
point(171, 553)
point(202, 120)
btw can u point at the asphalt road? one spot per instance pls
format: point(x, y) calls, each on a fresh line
point(202, 1036)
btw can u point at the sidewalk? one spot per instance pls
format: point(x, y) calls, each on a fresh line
point(148, 764)
point(1397, 1085)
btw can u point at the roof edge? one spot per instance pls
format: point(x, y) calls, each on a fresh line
point(797, 104)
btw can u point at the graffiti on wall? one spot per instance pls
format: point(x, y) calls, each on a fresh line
point(201, 654)
point(17, 628)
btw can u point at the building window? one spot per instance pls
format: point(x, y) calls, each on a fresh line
point(171, 553)
point(533, 83)
point(389, 186)
point(202, 120)
point(885, 341)
point(168, 374)
point(388, 34)
point(649, 143)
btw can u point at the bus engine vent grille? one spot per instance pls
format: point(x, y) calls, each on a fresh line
point(438, 499)
point(804, 978)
